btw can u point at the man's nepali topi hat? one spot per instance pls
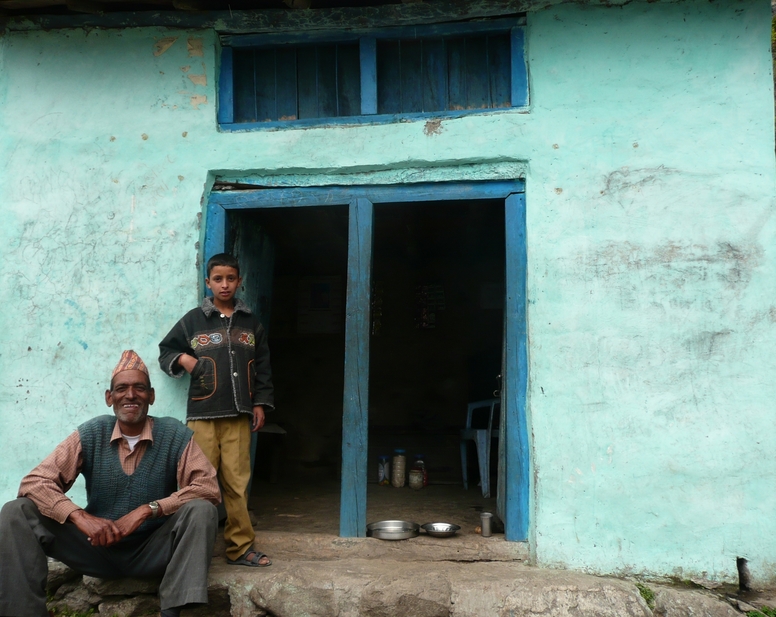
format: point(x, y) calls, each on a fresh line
point(130, 361)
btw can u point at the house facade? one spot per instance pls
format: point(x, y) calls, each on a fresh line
point(628, 151)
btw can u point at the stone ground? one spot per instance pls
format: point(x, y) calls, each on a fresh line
point(315, 573)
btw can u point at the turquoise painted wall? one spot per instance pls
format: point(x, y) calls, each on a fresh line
point(648, 155)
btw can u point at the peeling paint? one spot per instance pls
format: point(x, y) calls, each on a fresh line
point(163, 44)
point(197, 100)
point(194, 46)
point(198, 80)
point(432, 127)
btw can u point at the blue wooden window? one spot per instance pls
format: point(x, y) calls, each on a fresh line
point(277, 80)
point(296, 82)
point(451, 73)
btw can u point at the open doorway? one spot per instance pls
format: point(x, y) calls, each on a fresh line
point(437, 323)
point(435, 344)
point(303, 313)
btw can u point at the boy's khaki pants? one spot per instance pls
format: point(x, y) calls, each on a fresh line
point(227, 444)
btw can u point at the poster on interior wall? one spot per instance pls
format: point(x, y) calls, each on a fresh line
point(429, 300)
point(320, 305)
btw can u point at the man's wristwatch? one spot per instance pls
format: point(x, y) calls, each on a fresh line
point(156, 511)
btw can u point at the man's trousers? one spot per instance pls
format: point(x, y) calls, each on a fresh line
point(179, 551)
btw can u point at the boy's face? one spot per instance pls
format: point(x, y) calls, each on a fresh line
point(223, 282)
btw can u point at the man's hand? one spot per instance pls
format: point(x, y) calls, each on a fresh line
point(128, 523)
point(187, 362)
point(258, 418)
point(99, 531)
point(104, 532)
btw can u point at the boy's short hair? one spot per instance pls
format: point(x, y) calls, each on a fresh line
point(223, 259)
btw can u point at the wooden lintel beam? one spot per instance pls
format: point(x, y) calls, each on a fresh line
point(298, 4)
point(190, 5)
point(283, 20)
point(85, 6)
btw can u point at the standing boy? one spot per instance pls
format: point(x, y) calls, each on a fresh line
point(222, 345)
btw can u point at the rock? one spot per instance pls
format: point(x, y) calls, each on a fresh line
point(296, 595)
point(130, 607)
point(673, 602)
point(597, 600)
point(66, 588)
point(58, 574)
point(219, 605)
point(512, 589)
point(706, 583)
point(744, 607)
point(760, 599)
point(412, 595)
point(121, 586)
point(78, 600)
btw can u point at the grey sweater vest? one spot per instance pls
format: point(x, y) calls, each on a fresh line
point(110, 493)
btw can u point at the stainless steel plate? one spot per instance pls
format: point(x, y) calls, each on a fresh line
point(441, 530)
point(393, 530)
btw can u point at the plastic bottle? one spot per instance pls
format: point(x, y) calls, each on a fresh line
point(420, 463)
point(384, 471)
point(398, 468)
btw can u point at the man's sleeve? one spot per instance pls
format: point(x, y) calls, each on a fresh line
point(172, 346)
point(196, 480)
point(263, 390)
point(47, 484)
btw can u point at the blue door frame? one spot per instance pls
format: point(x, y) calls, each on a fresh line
point(361, 200)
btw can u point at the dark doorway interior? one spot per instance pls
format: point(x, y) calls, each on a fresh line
point(437, 319)
point(437, 326)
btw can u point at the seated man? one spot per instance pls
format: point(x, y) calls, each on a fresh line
point(150, 493)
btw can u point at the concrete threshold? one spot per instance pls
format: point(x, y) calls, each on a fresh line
point(324, 547)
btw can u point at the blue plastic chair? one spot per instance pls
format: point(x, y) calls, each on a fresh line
point(482, 438)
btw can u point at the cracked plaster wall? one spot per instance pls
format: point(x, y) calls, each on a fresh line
point(649, 162)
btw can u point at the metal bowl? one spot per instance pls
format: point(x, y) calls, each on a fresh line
point(393, 530)
point(441, 530)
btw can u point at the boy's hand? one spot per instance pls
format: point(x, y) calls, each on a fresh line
point(258, 418)
point(187, 362)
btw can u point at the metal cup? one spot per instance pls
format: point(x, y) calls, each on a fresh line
point(485, 523)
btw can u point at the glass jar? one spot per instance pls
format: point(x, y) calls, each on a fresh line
point(398, 468)
point(416, 479)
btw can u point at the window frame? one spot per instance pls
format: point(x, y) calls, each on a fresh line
point(367, 39)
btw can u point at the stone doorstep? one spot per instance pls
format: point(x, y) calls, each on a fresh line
point(385, 588)
point(318, 575)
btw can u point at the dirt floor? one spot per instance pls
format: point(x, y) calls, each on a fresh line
point(314, 507)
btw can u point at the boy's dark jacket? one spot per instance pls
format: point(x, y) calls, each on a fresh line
point(232, 373)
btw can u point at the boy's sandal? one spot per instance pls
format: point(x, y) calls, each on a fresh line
point(247, 560)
